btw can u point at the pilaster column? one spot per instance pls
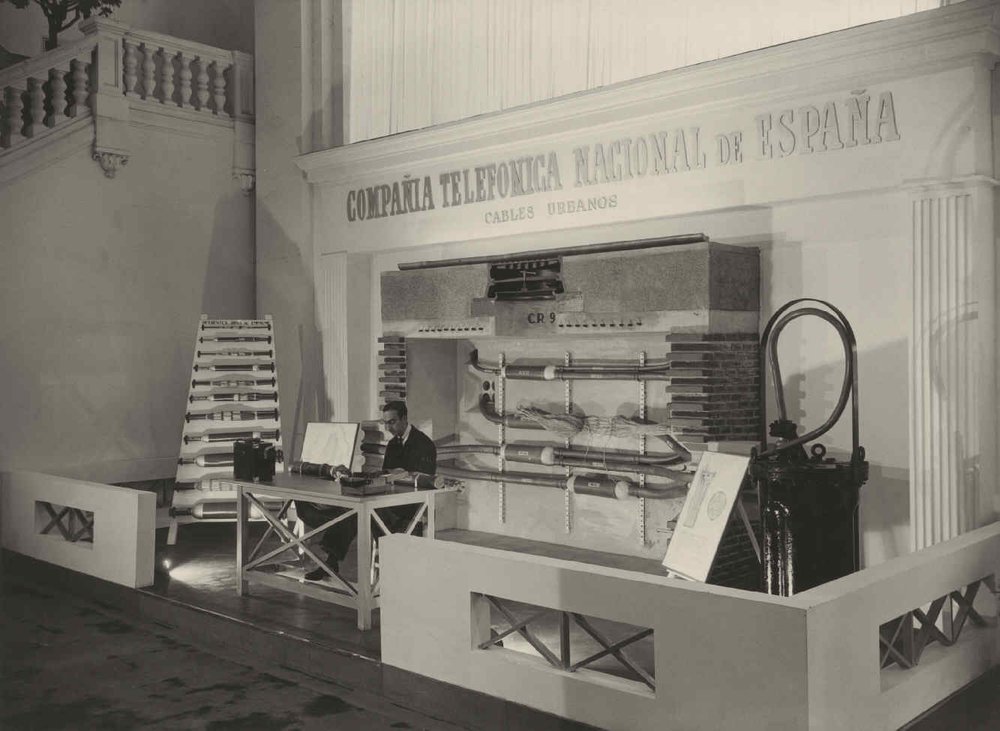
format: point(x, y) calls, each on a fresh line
point(331, 316)
point(953, 361)
point(343, 312)
point(110, 105)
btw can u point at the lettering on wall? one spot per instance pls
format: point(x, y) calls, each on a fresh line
point(854, 120)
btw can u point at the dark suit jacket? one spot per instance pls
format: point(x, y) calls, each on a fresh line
point(418, 454)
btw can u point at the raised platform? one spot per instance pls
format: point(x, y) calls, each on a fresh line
point(198, 600)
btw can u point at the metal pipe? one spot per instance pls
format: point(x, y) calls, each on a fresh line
point(524, 478)
point(488, 410)
point(582, 484)
point(618, 372)
point(634, 245)
point(769, 340)
point(611, 460)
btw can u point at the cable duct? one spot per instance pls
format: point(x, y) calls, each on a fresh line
point(569, 425)
point(613, 461)
point(605, 372)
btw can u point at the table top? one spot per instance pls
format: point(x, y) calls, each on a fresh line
point(308, 486)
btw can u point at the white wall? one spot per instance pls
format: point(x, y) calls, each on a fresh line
point(102, 286)
point(222, 23)
point(285, 287)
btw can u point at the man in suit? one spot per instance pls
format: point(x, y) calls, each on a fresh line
point(409, 451)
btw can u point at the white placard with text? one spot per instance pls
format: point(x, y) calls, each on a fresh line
point(705, 514)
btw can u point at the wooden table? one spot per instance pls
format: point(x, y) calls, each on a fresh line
point(362, 594)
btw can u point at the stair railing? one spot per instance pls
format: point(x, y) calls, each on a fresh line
point(115, 69)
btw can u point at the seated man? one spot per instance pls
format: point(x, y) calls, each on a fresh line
point(409, 450)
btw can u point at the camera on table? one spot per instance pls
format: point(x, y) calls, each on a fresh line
point(254, 460)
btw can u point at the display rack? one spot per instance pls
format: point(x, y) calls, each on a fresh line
point(232, 394)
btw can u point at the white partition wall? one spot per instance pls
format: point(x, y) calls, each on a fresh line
point(101, 530)
point(721, 658)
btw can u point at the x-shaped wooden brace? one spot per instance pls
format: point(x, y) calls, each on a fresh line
point(520, 626)
point(887, 639)
point(614, 649)
point(965, 609)
point(291, 541)
point(87, 523)
point(928, 628)
point(270, 531)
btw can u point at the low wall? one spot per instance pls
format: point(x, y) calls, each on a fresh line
point(723, 658)
point(101, 530)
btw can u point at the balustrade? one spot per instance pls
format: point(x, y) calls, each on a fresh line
point(58, 87)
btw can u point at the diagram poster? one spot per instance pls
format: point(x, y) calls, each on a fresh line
point(705, 514)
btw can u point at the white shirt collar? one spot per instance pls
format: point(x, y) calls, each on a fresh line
point(406, 434)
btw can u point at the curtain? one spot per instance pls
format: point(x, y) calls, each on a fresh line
point(418, 63)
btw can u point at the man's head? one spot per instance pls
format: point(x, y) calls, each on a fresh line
point(394, 417)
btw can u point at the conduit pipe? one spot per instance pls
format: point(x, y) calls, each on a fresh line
point(615, 461)
point(489, 411)
point(620, 372)
point(582, 484)
point(597, 485)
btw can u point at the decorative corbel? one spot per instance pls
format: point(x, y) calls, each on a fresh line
point(110, 161)
point(110, 107)
point(247, 180)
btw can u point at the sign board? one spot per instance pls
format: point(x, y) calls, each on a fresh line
point(703, 519)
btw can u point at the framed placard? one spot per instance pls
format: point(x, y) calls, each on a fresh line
point(713, 495)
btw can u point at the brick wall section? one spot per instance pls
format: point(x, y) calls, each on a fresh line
point(714, 396)
point(392, 368)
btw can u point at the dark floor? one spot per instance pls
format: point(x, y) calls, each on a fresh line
point(203, 573)
point(68, 661)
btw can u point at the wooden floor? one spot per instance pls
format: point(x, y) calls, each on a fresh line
point(203, 575)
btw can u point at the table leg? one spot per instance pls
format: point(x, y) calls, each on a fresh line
point(242, 538)
point(172, 532)
point(430, 514)
point(364, 544)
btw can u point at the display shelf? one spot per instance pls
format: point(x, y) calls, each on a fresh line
point(232, 395)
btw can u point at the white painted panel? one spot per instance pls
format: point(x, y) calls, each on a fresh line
point(124, 526)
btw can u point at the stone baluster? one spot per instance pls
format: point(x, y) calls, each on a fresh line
point(11, 129)
point(131, 76)
point(219, 89)
point(36, 108)
point(167, 77)
point(80, 81)
point(57, 99)
point(184, 77)
point(202, 83)
point(148, 71)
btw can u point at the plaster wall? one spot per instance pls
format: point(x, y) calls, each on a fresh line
point(284, 264)
point(225, 24)
point(102, 286)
